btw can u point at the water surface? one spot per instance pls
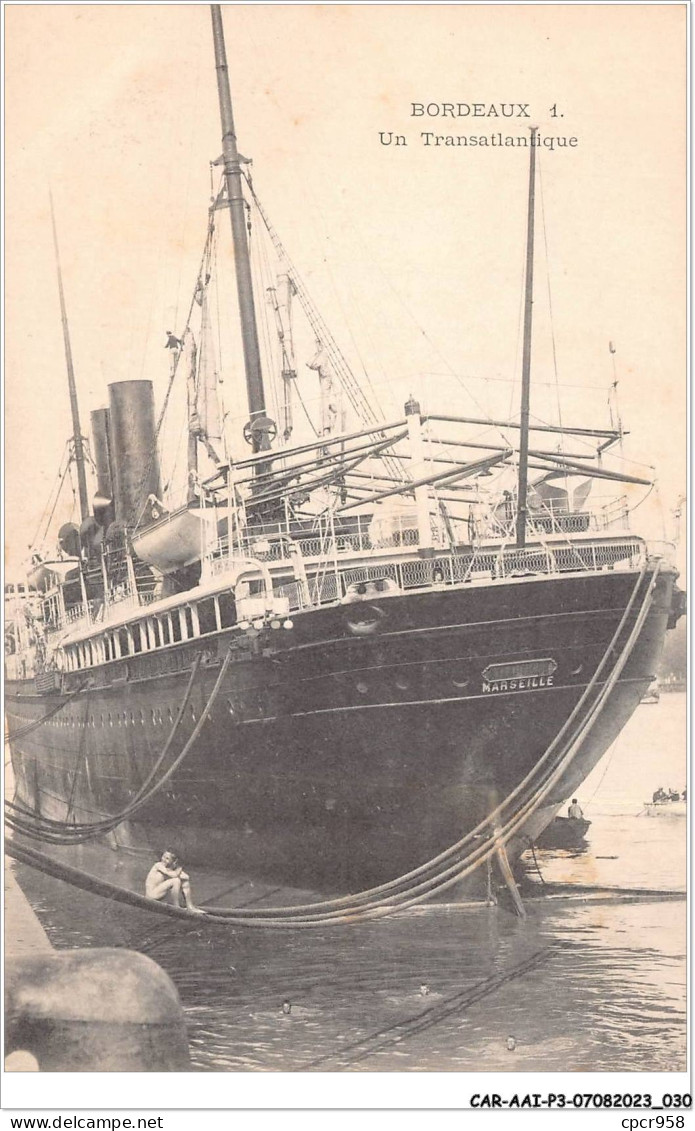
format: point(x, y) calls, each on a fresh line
point(585, 983)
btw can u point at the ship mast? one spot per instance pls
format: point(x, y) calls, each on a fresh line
point(522, 493)
point(259, 434)
point(78, 444)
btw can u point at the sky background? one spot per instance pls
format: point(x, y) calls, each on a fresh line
point(413, 254)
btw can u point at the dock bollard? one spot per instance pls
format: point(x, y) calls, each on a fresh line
point(102, 1010)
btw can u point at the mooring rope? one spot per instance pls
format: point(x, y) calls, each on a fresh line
point(29, 727)
point(98, 828)
point(495, 815)
point(361, 906)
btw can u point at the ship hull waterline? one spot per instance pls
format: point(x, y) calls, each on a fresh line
point(349, 750)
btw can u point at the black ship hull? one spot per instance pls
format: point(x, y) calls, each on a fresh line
point(353, 748)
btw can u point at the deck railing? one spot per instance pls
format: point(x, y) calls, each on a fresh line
point(479, 566)
point(322, 584)
point(330, 568)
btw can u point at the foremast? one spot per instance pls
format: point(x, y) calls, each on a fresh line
point(259, 434)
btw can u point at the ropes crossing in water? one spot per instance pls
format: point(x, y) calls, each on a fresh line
point(402, 1030)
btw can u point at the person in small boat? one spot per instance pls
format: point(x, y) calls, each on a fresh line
point(659, 795)
point(168, 883)
point(673, 795)
point(574, 811)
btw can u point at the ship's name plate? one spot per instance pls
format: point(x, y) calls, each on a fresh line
point(519, 675)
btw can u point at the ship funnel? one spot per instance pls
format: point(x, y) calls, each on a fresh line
point(133, 448)
point(103, 500)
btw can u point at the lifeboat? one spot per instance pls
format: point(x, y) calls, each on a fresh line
point(176, 540)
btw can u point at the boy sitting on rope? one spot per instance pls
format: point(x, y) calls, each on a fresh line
point(168, 883)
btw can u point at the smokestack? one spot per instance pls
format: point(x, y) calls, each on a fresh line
point(103, 500)
point(133, 448)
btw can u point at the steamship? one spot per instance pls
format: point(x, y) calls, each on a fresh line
point(326, 661)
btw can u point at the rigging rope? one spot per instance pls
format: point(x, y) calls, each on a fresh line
point(264, 282)
point(325, 239)
point(300, 398)
point(550, 305)
point(174, 367)
point(59, 480)
point(361, 405)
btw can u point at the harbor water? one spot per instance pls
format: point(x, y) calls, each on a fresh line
point(590, 981)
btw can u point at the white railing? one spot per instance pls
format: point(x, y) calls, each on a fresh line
point(120, 598)
point(329, 575)
point(330, 552)
point(481, 565)
point(353, 582)
point(331, 543)
point(553, 518)
point(77, 613)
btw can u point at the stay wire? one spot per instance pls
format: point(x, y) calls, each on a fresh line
point(550, 303)
point(174, 369)
point(56, 485)
point(56, 500)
